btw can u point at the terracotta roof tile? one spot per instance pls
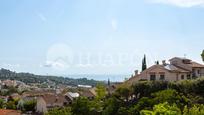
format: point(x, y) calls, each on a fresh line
point(52, 99)
point(9, 112)
point(195, 64)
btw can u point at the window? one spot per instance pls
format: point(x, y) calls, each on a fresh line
point(162, 77)
point(188, 76)
point(152, 77)
point(198, 71)
point(182, 76)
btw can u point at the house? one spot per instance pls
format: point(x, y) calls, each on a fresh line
point(72, 96)
point(111, 88)
point(48, 101)
point(9, 83)
point(87, 93)
point(22, 86)
point(177, 69)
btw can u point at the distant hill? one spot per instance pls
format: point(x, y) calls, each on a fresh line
point(31, 78)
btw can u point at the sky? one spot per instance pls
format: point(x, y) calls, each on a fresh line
point(62, 37)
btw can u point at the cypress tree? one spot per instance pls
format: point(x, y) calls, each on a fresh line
point(144, 64)
point(202, 55)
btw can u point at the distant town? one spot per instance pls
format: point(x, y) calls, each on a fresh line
point(32, 94)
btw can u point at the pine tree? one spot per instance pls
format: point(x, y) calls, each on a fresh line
point(144, 65)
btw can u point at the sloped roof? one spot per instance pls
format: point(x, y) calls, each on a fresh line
point(174, 68)
point(181, 58)
point(195, 64)
point(9, 112)
point(154, 66)
point(53, 99)
point(73, 95)
point(87, 93)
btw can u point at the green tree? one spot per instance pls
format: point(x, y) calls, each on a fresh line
point(10, 105)
point(145, 88)
point(2, 103)
point(123, 92)
point(202, 55)
point(171, 96)
point(81, 106)
point(96, 105)
point(144, 64)
point(111, 106)
point(60, 111)
point(101, 91)
point(30, 105)
point(123, 111)
point(143, 103)
point(162, 109)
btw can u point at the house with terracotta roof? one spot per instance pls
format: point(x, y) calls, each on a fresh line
point(177, 69)
point(87, 93)
point(48, 101)
point(72, 95)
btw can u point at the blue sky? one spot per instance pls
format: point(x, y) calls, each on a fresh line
point(60, 37)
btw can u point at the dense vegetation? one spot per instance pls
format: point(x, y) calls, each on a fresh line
point(31, 78)
point(17, 104)
point(144, 98)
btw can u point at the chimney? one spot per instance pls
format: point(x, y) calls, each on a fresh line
point(156, 62)
point(164, 62)
point(132, 76)
point(136, 72)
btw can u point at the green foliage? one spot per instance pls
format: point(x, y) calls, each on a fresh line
point(189, 86)
point(202, 55)
point(101, 91)
point(30, 105)
point(195, 110)
point(11, 105)
point(60, 111)
point(123, 111)
point(123, 93)
point(111, 106)
point(145, 88)
point(2, 103)
point(170, 96)
point(8, 91)
point(145, 98)
point(84, 106)
point(81, 106)
point(143, 103)
point(162, 109)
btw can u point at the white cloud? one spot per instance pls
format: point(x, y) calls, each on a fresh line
point(181, 3)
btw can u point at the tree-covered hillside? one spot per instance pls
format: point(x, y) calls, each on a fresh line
point(31, 78)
